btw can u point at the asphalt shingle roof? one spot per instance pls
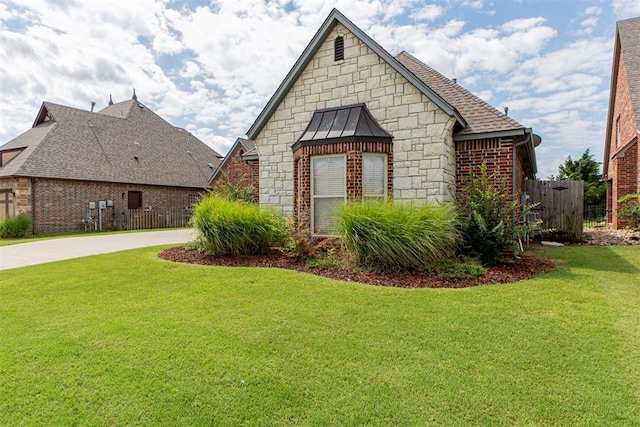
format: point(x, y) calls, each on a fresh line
point(479, 115)
point(126, 142)
point(629, 33)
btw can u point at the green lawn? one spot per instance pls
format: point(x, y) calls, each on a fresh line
point(127, 338)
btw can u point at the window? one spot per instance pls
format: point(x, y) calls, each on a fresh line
point(328, 189)
point(338, 49)
point(192, 199)
point(618, 132)
point(134, 200)
point(6, 203)
point(8, 155)
point(374, 175)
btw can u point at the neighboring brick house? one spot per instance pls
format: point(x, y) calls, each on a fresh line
point(125, 156)
point(621, 165)
point(351, 121)
point(239, 167)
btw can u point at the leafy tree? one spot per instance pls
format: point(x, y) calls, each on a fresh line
point(588, 170)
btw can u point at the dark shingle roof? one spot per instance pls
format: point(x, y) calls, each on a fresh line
point(629, 32)
point(125, 142)
point(480, 116)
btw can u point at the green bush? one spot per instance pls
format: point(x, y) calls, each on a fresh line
point(234, 228)
point(487, 218)
point(630, 209)
point(397, 237)
point(17, 226)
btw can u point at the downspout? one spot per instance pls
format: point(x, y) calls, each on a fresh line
point(526, 140)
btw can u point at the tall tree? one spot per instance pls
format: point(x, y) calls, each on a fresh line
point(588, 170)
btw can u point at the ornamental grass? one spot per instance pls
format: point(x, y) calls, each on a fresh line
point(398, 237)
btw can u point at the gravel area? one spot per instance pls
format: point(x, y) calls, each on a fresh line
point(605, 236)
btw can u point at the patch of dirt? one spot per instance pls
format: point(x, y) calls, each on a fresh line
point(509, 270)
point(605, 236)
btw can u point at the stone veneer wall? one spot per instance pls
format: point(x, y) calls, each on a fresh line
point(353, 152)
point(237, 171)
point(423, 150)
point(61, 204)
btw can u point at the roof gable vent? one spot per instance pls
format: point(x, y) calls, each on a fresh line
point(338, 49)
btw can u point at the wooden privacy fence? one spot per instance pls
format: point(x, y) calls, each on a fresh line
point(139, 219)
point(560, 207)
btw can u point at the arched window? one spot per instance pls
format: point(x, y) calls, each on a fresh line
point(338, 49)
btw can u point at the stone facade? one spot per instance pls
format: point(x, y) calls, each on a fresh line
point(424, 159)
point(60, 204)
point(623, 163)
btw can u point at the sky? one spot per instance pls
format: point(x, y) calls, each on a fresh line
point(211, 67)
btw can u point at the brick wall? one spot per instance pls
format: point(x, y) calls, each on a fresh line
point(423, 150)
point(624, 164)
point(61, 204)
point(239, 172)
point(626, 180)
point(353, 152)
point(497, 153)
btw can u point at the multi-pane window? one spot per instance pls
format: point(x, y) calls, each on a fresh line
point(328, 191)
point(374, 175)
point(192, 199)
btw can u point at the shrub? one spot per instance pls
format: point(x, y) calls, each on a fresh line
point(487, 218)
point(460, 269)
point(236, 192)
point(630, 209)
point(301, 241)
point(396, 237)
point(234, 228)
point(17, 226)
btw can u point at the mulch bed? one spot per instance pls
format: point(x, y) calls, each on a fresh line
point(508, 270)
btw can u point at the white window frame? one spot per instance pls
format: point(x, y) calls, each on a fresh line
point(618, 135)
point(332, 196)
point(384, 176)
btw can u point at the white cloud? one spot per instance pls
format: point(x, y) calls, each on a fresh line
point(625, 9)
point(522, 24)
point(593, 10)
point(428, 12)
point(475, 4)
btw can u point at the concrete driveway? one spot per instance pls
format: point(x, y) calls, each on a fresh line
point(39, 252)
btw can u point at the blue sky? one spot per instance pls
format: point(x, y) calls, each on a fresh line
point(210, 67)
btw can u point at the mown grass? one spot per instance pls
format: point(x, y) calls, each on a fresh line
point(127, 338)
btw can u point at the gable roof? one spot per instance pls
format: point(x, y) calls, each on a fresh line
point(481, 117)
point(332, 20)
point(138, 147)
point(250, 153)
point(627, 44)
